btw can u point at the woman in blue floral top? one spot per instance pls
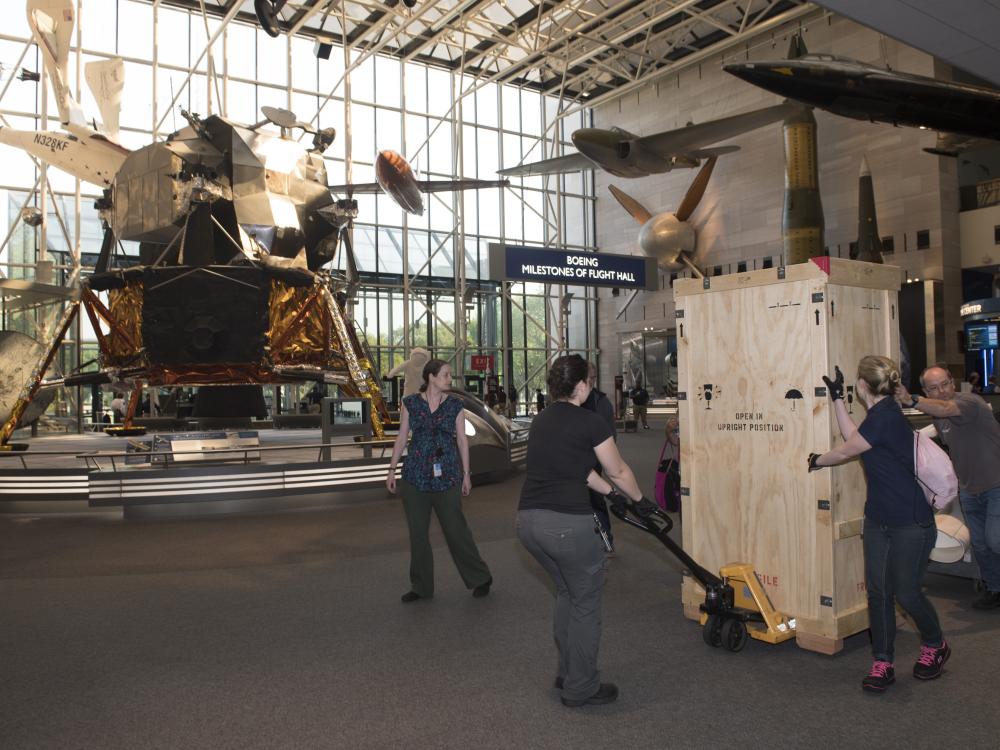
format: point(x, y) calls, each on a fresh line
point(436, 476)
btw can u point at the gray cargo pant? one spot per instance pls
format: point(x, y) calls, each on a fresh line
point(566, 545)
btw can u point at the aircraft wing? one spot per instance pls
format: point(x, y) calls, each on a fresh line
point(359, 187)
point(569, 163)
point(694, 137)
point(444, 186)
point(425, 186)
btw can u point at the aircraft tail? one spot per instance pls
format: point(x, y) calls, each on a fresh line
point(106, 79)
point(51, 23)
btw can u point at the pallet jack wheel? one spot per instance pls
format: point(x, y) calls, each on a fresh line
point(734, 635)
point(712, 631)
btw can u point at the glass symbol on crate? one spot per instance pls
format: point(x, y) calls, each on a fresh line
point(708, 395)
point(850, 399)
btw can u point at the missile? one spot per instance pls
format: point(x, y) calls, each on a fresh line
point(802, 214)
point(869, 245)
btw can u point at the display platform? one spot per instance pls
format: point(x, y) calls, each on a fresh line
point(208, 475)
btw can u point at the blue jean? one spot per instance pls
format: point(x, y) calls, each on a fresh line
point(982, 516)
point(895, 563)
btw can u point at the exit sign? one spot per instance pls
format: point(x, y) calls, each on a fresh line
point(482, 362)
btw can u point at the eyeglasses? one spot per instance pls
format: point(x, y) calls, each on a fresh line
point(937, 387)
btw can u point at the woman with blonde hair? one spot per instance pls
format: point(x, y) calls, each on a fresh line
point(899, 528)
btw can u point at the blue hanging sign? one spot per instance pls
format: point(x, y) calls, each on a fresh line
point(573, 267)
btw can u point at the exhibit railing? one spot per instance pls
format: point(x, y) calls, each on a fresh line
point(169, 458)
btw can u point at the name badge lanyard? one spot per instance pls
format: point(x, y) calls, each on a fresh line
point(436, 467)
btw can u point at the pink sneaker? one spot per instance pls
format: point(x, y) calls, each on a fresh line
point(931, 662)
point(880, 677)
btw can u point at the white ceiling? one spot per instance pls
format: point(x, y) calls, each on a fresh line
point(572, 48)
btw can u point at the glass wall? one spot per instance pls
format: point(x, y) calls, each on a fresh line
point(425, 277)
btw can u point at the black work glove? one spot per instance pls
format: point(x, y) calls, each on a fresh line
point(813, 466)
point(645, 508)
point(835, 387)
point(618, 500)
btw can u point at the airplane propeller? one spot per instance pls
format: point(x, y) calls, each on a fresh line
point(268, 13)
point(667, 236)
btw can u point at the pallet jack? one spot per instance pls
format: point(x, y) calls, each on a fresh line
point(736, 606)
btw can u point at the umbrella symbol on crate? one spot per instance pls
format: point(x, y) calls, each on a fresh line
point(793, 394)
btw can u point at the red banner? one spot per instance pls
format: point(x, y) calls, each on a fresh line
point(482, 362)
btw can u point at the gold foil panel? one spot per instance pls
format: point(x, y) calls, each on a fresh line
point(125, 306)
point(304, 342)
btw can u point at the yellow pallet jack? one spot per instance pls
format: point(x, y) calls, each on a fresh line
point(736, 606)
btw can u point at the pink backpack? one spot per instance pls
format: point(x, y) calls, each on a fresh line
point(935, 474)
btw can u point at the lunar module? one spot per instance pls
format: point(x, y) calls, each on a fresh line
point(234, 224)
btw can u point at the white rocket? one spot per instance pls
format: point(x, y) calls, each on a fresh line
point(84, 150)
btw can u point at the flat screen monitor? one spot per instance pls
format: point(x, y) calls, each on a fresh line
point(348, 411)
point(980, 336)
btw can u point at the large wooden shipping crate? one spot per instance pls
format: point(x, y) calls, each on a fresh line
point(752, 350)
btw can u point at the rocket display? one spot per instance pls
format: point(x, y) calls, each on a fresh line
point(802, 214)
point(869, 245)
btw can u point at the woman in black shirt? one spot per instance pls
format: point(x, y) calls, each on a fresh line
point(555, 522)
point(899, 529)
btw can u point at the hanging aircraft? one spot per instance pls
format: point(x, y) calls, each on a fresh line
point(84, 150)
point(861, 91)
point(623, 154)
point(396, 178)
point(668, 236)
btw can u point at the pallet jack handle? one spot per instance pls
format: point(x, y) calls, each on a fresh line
point(659, 524)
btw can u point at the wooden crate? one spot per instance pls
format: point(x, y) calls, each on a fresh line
point(752, 350)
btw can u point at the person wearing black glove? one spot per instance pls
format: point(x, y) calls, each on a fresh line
point(555, 522)
point(899, 531)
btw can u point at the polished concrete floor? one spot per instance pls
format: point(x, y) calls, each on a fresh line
point(284, 629)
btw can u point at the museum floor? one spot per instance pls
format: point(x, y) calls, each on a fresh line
point(286, 631)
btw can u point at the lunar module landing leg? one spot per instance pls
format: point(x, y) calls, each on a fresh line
point(35, 379)
point(736, 605)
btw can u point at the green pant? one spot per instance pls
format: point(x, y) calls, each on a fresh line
point(448, 507)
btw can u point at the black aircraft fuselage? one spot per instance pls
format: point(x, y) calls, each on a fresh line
point(854, 89)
